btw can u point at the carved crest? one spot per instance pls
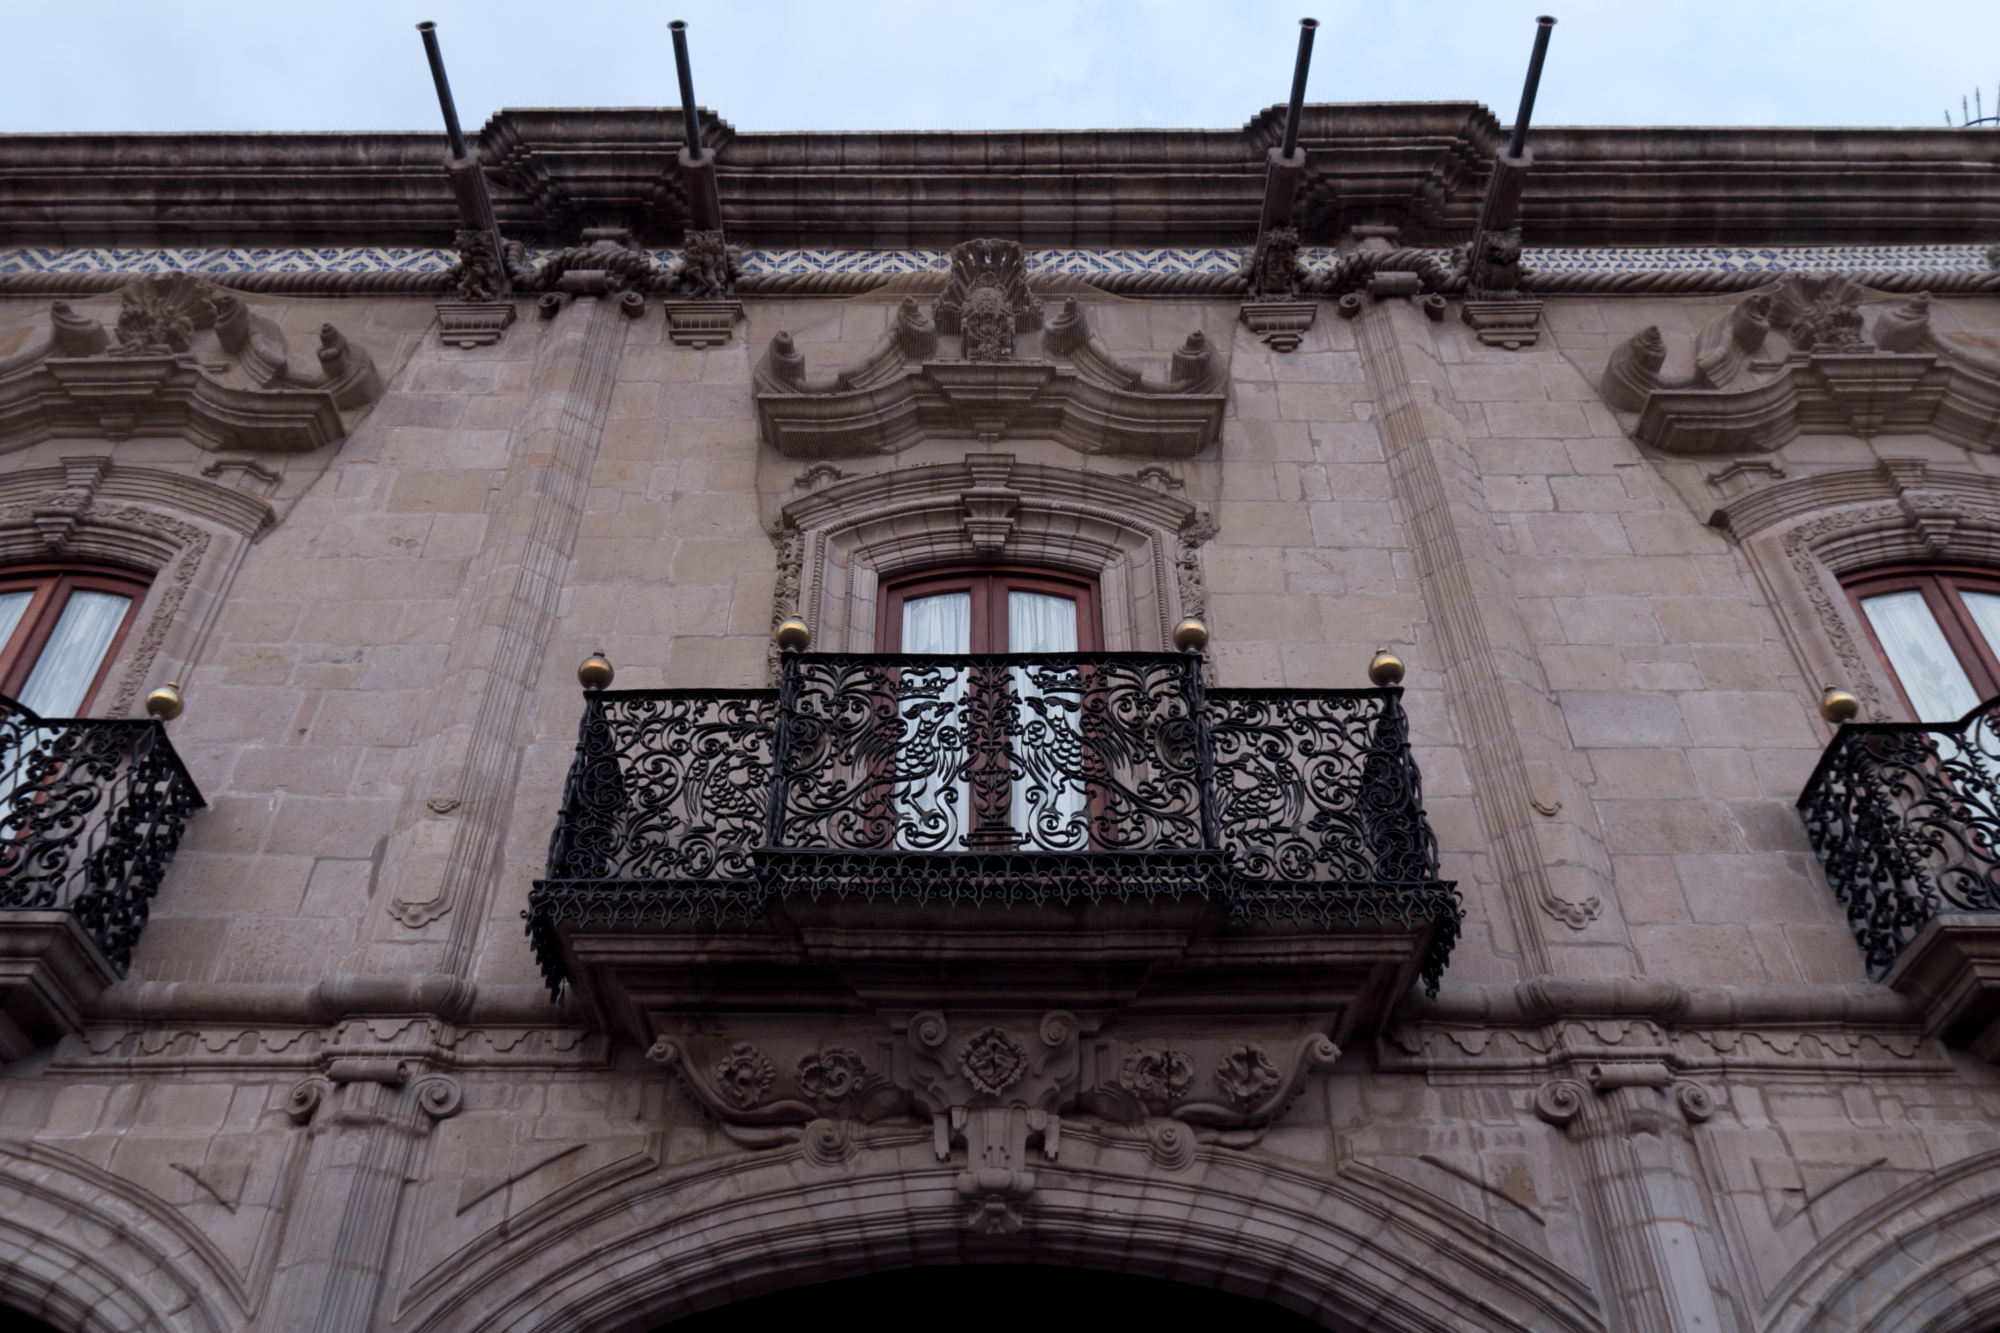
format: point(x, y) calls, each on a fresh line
point(162, 312)
point(999, 268)
point(707, 269)
point(1272, 267)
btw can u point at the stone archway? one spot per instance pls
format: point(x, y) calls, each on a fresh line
point(1005, 1298)
point(705, 1233)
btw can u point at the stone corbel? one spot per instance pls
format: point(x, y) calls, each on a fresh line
point(990, 504)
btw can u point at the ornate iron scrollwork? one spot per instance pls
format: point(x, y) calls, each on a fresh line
point(994, 779)
point(91, 811)
point(1906, 819)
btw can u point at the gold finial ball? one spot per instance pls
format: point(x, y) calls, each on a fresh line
point(1385, 668)
point(1837, 705)
point(1190, 636)
point(595, 673)
point(166, 702)
point(793, 635)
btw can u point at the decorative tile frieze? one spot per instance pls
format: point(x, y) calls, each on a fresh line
point(1080, 263)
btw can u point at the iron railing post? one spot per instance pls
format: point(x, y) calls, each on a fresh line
point(1204, 748)
point(781, 746)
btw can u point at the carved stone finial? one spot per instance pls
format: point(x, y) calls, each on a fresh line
point(1068, 331)
point(783, 369)
point(916, 335)
point(1196, 367)
point(1905, 327)
point(74, 334)
point(1726, 344)
point(1633, 371)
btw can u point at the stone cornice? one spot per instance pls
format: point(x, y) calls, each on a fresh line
point(1417, 165)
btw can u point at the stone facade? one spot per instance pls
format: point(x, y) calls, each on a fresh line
point(1656, 1089)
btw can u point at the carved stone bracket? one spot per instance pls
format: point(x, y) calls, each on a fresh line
point(1511, 324)
point(1281, 324)
point(190, 360)
point(700, 324)
point(470, 324)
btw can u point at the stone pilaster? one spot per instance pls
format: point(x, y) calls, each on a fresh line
point(1547, 849)
point(446, 851)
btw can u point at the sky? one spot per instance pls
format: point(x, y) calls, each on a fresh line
point(179, 65)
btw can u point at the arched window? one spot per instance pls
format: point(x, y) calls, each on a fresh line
point(60, 628)
point(989, 610)
point(1938, 629)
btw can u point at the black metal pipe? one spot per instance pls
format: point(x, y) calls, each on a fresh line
point(451, 129)
point(1519, 141)
point(689, 122)
point(1306, 29)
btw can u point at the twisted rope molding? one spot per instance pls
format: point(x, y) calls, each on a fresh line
point(1635, 282)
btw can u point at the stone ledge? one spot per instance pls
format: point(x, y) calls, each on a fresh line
point(50, 973)
point(1951, 970)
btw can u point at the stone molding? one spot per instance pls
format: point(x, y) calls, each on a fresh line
point(189, 361)
point(1419, 165)
point(1550, 855)
point(454, 811)
point(1319, 1245)
point(1134, 534)
point(1840, 373)
point(1799, 536)
point(1060, 382)
point(72, 512)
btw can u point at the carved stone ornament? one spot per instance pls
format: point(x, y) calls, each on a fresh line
point(190, 361)
point(1246, 1075)
point(745, 1075)
point(480, 314)
point(1272, 266)
point(608, 263)
point(995, 1091)
point(993, 1062)
point(700, 292)
point(1839, 375)
point(1061, 383)
point(1000, 269)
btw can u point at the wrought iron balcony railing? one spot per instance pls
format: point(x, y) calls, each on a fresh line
point(1905, 817)
point(91, 810)
point(983, 780)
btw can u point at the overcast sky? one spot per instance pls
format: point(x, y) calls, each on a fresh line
point(942, 64)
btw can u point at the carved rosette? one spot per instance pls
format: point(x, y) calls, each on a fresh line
point(1246, 1075)
point(992, 1061)
point(745, 1076)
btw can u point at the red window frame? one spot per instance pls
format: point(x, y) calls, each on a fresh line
point(989, 586)
point(52, 586)
point(1940, 586)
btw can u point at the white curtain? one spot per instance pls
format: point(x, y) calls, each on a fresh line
point(13, 605)
point(940, 624)
point(1985, 608)
point(1924, 662)
point(928, 802)
point(1051, 745)
point(70, 658)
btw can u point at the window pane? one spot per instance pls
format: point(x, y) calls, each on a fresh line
point(13, 605)
point(70, 659)
point(1985, 608)
point(1931, 676)
point(1039, 623)
point(940, 624)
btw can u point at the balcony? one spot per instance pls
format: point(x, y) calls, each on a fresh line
point(1905, 818)
point(1130, 838)
point(91, 811)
